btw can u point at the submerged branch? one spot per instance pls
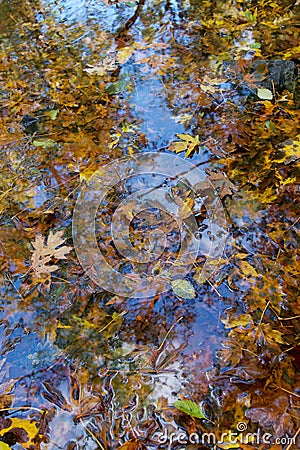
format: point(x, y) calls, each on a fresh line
point(132, 19)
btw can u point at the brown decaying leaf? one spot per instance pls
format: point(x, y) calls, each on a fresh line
point(275, 416)
point(133, 444)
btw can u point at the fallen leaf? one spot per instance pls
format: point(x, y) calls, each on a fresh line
point(53, 114)
point(247, 269)
point(24, 431)
point(43, 253)
point(264, 94)
point(45, 143)
point(183, 288)
point(188, 144)
point(190, 408)
point(244, 320)
point(101, 69)
point(222, 184)
point(116, 87)
point(275, 416)
point(124, 54)
point(291, 150)
point(133, 444)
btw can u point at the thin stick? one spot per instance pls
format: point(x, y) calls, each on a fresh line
point(283, 318)
point(14, 286)
point(296, 221)
point(113, 320)
point(24, 408)
point(289, 392)
point(264, 311)
point(92, 434)
point(293, 439)
point(214, 288)
point(166, 336)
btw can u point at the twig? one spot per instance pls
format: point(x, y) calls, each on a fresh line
point(264, 311)
point(92, 434)
point(283, 318)
point(113, 320)
point(288, 392)
point(166, 336)
point(214, 288)
point(293, 439)
point(14, 286)
point(24, 408)
point(132, 19)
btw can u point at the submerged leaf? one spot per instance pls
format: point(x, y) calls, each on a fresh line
point(44, 253)
point(133, 444)
point(45, 143)
point(183, 288)
point(264, 94)
point(115, 88)
point(188, 144)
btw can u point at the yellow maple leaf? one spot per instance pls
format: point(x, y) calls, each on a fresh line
point(247, 269)
point(188, 144)
point(291, 150)
point(4, 446)
point(25, 424)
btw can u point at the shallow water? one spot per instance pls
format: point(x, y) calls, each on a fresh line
point(130, 355)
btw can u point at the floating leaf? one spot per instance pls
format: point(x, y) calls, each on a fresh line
point(182, 118)
point(264, 94)
point(190, 408)
point(183, 288)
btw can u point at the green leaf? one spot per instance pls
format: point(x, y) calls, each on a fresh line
point(53, 114)
point(45, 143)
point(115, 88)
point(255, 45)
point(264, 94)
point(190, 408)
point(183, 288)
